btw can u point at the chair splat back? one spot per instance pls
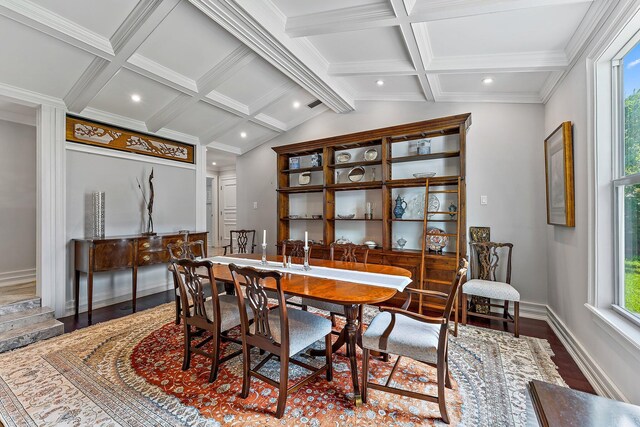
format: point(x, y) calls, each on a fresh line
point(192, 285)
point(487, 260)
point(294, 248)
point(350, 252)
point(245, 242)
point(186, 249)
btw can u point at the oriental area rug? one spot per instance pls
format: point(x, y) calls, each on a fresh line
point(127, 372)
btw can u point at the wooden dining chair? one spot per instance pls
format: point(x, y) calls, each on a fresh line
point(347, 252)
point(245, 242)
point(294, 248)
point(184, 250)
point(419, 337)
point(280, 332)
point(216, 314)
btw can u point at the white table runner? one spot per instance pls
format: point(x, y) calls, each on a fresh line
point(364, 277)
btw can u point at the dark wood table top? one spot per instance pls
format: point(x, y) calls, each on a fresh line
point(330, 290)
point(135, 236)
point(563, 407)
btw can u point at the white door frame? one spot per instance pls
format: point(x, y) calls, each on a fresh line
point(51, 245)
point(214, 237)
point(221, 229)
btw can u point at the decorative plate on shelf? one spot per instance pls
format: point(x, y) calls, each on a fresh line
point(424, 175)
point(349, 216)
point(356, 174)
point(434, 204)
point(436, 240)
point(343, 157)
point(417, 206)
point(304, 178)
point(371, 154)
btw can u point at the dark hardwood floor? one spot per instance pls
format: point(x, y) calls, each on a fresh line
point(533, 328)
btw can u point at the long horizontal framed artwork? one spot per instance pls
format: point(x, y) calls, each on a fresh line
point(98, 134)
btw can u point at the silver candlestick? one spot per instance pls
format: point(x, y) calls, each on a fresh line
point(264, 254)
point(306, 259)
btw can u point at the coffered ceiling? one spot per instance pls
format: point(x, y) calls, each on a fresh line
point(233, 74)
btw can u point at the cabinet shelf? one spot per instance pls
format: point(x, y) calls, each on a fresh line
point(420, 157)
point(286, 218)
point(354, 219)
point(367, 185)
point(354, 164)
point(421, 220)
point(300, 170)
point(420, 182)
point(302, 189)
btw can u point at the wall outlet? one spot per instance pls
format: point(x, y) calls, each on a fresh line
point(484, 200)
point(255, 205)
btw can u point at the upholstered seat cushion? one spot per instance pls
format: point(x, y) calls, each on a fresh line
point(304, 328)
point(409, 337)
point(323, 305)
point(229, 313)
point(489, 289)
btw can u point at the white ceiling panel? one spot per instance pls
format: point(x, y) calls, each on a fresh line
point(200, 119)
point(115, 97)
point(254, 134)
point(502, 82)
point(392, 84)
point(305, 7)
point(221, 159)
point(526, 30)
point(188, 42)
point(374, 44)
point(36, 62)
point(252, 82)
point(284, 110)
point(101, 17)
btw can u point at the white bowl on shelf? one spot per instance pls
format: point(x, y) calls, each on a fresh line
point(424, 174)
point(371, 244)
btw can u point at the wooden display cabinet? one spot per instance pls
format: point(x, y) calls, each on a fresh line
point(395, 162)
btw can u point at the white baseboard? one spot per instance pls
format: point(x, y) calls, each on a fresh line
point(599, 380)
point(17, 277)
point(533, 310)
point(106, 298)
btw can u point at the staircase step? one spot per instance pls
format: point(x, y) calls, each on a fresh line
point(30, 316)
point(20, 303)
point(28, 334)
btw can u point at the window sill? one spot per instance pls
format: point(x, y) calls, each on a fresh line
point(618, 327)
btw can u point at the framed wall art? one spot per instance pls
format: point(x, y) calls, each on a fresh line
point(98, 134)
point(558, 162)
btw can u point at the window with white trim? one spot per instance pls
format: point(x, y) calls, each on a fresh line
point(626, 180)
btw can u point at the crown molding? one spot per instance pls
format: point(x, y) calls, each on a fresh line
point(154, 71)
point(140, 23)
point(54, 25)
point(225, 147)
point(505, 97)
point(550, 85)
point(259, 26)
point(28, 97)
point(587, 29)
point(340, 20)
point(376, 68)
point(21, 118)
point(507, 62)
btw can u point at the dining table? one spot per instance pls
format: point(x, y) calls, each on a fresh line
point(348, 293)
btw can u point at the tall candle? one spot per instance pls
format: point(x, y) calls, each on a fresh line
point(264, 237)
point(306, 239)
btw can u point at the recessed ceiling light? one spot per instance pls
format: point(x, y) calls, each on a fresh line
point(213, 163)
point(135, 97)
point(296, 104)
point(380, 82)
point(243, 134)
point(487, 80)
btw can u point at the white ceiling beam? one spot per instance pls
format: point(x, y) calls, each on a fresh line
point(222, 71)
point(412, 48)
point(41, 19)
point(151, 69)
point(141, 22)
point(499, 63)
point(259, 25)
point(373, 68)
point(269, 122)
point(340, 20)
point(225, 147)
point(435, 10)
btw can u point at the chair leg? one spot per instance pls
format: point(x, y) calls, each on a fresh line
point(442, 403)
point(464, 309)
point(328, 344)
point(333, 320)
point(178, 310)
point(246, 375)
point(215, 362)
point(187, 347)
point(365, 373)
point(284, 379)
point(447, 378)
point(505, 313)
point(456, 305)
point(516, 318)
point(304, 307)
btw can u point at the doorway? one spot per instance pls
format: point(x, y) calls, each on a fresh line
point(228, 208)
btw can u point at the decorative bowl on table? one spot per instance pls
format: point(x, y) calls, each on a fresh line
point(424, 175)
point(349, 216)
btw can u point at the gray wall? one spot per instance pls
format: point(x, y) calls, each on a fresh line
point(17, 199)
point(173, 211)
point(504, 161)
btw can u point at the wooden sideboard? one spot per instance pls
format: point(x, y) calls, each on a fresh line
point(99, 254)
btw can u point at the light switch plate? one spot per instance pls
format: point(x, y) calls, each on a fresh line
point(484, 200)
point(255, 205)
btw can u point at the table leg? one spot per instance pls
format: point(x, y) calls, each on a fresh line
point(76, 291)
point(134, 286)
point(352, 328)
point(89, 295)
